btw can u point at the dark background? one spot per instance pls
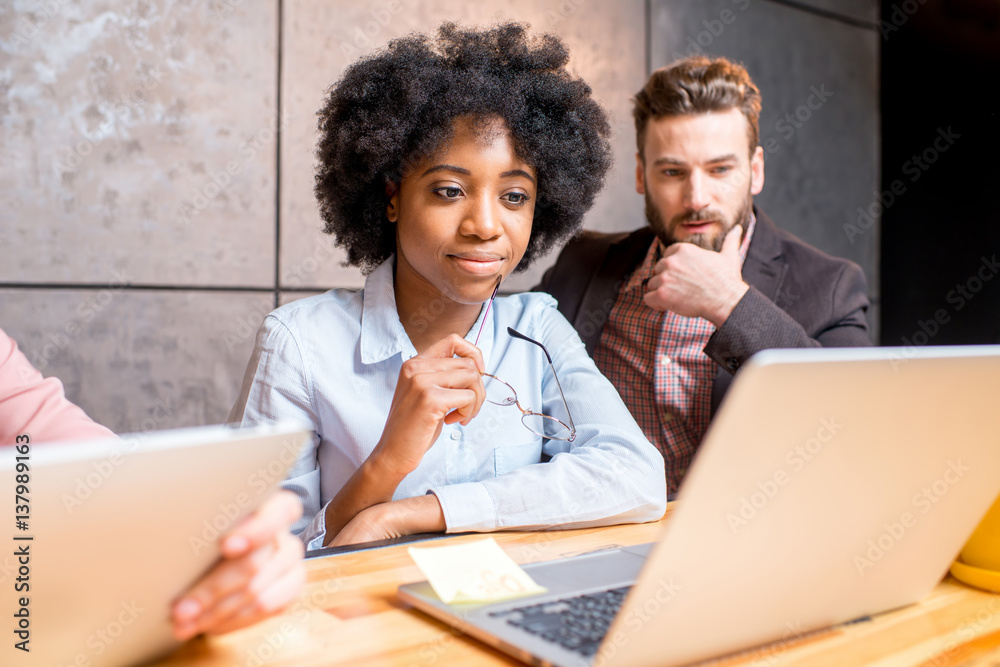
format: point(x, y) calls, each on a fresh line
point(941, 70)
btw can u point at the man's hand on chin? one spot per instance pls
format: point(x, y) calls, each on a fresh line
point(694, 282)
point(421, 514)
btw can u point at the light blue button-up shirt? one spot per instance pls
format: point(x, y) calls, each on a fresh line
point(333, 361)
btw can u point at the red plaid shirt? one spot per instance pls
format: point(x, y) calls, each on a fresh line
point(657, 362)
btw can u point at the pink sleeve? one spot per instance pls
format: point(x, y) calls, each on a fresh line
point(35, 406)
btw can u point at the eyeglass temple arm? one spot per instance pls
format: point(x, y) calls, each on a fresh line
point(487, 313)
point(518, 334)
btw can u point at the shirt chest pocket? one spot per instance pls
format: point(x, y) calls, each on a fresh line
point(512, 457)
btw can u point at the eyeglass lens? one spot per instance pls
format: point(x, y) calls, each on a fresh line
point(498, 391)
point(545, 426)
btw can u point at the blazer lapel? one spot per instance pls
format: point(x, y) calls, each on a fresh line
point(621, 258)
point(764, 269)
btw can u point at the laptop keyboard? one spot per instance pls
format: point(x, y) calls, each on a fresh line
point(578, 623)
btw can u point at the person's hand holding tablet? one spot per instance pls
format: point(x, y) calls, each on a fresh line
point(260, 574)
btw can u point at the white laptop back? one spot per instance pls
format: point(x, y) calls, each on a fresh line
point(832, 484)
point(119, 528)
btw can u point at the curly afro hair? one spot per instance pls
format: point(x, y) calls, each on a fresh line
point(395, 107)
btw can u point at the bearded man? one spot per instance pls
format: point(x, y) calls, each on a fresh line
point(671, 311)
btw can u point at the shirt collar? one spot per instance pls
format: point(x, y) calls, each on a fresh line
point(382, 333)
point(745, 245)
point(645, 271)
point(641, 275)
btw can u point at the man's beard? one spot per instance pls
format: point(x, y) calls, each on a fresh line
point(706, 241)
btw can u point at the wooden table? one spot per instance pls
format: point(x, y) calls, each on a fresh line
point(348, 614)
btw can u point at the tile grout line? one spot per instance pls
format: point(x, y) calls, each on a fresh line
point(138, 287)
point(824, 13)
point(277, 160)
point(649, 37)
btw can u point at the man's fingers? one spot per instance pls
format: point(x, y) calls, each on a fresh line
point(272, 518)
point(731, 244)
point(671, 249)
point(651, 300)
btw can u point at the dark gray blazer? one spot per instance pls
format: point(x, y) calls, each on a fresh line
point(799, 296)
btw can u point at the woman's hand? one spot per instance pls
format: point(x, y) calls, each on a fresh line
point(435, 388)
point(420, 514)
point(260, 574)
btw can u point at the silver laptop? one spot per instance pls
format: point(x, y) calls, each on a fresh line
point(831, 485)
point(117, 529)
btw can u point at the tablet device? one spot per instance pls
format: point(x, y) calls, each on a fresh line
point(105, 534)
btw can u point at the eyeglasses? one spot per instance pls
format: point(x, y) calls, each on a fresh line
point(501, 393)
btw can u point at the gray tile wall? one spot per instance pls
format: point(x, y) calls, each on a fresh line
point(130, 356)
point(150, 215)
point(137, 138)
point(859, 11)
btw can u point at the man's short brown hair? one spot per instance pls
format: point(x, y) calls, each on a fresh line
point(697, 85)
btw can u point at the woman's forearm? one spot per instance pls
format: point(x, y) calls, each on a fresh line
point(370, 485)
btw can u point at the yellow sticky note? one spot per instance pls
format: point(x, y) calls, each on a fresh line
point(473, 572)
